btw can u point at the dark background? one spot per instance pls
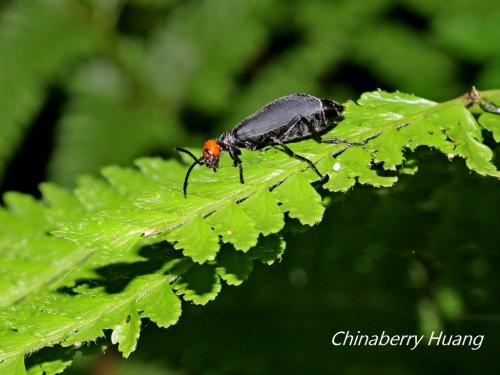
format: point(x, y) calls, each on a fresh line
point(84, 84)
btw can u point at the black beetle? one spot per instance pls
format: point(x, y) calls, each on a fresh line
point(284, 120)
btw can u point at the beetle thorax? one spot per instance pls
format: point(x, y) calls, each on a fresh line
point(226, 140)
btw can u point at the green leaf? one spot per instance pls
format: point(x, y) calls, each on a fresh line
point(94, 194)
point(160, 305)
point(235, 227)
point(343, 176)
point(300, 200)
point(62, 205)
point(264, 212)
point(269, 249)
point(27, 208)
point(102, 257)
point(126, 332)
point(385, 106)
point(199, 285)
point(50, 361)
point(108, 235)
point(197, 240)
point(29, 266)
point(491, 122)
point(410, 167)
point(388, 148)
point(128, 182)
point(14, 366)
point(233, 267)
point(355, 163)
point(84, 334)
point(468, 136)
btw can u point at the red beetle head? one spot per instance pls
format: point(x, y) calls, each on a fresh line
point(211, 154)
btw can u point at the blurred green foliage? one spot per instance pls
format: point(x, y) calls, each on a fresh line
point(106, 81)
point(138, 77)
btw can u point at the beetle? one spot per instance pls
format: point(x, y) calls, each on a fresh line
point(287, 119)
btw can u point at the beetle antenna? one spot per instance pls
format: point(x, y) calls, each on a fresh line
point(186, 179)
point(188, 152)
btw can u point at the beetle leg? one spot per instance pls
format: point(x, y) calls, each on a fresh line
point(252, 146)
point(314, 133)
point(317, 135)
point(290, 152)
point(291, 128)
point(233, 152)
point(341, 141)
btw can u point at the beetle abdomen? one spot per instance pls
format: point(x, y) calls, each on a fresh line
point(278, 114)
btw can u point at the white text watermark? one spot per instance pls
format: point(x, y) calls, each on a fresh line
point(438, 339)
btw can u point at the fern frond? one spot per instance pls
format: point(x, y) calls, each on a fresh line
point(127, 247)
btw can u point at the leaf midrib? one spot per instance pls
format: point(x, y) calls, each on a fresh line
point(55, 338)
